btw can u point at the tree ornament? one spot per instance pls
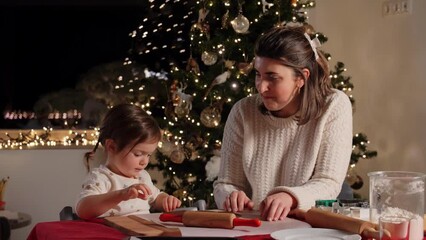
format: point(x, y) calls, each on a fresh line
point(182, 98)
point(166, 147)
point(173, 92)
point(205, 28)
point(177, 155)
point(192, 65)
point(181, 101)
point(202, 27)
point(190, 152)
point(191, 147)
point(202, 14)
point(225, 19)
point(266, 6)
point(218, 80)
point(229, 64)
point(211, 116)
point(245, 68)
point(240, 24)
point(213, 167)
point(182, 110)
point(209, 58)
point(201, 24)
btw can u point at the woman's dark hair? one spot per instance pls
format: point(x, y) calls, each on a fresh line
point(126, 124)
point(290, 46)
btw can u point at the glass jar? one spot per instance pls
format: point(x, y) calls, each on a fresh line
point(398, 194)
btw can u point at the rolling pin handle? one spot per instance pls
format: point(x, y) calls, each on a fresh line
point(168, 217)
point(246, 222)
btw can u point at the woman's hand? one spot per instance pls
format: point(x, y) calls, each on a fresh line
point(276, 206)
point(170, 203)
point(237, 201)
point(136, 191)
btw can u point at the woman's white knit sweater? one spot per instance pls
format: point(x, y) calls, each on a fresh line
point(262, 154)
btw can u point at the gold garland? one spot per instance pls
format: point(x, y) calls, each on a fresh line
point(47, 138)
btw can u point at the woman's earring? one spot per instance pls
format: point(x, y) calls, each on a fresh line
point(298, 90)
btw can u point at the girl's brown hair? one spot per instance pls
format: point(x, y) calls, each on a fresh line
point(290, 46)
point(126, 124)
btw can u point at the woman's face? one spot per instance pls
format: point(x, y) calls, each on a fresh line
point(278, 86)
point(130, 161)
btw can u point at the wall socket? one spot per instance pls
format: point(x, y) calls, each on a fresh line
point(396, 7)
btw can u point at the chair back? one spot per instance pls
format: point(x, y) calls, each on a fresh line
point(4, 228)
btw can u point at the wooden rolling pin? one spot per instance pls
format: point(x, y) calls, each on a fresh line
point(324, 219)
point(209, 219)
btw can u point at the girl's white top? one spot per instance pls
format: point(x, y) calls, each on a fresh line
point(102, 180)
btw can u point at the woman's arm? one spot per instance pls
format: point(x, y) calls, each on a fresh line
point(231, 175)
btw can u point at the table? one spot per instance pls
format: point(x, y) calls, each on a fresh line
point(97, 230)
point(78, 229)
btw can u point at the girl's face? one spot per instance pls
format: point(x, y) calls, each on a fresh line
point(130, 161)
point(278, 86)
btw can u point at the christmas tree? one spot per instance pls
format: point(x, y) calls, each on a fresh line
point(198, 58)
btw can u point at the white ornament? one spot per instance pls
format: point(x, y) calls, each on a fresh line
point(240, 24)
point(183, 98)
point(266, 6)
point(212, 168)
point(221, 78)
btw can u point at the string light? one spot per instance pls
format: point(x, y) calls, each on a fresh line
point(47, 138)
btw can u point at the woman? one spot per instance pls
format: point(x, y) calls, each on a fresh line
point(290, 144)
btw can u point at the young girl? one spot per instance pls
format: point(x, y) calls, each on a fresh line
point(122, 186)
point(291, 143)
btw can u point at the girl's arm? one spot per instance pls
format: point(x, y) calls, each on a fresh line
point(165, 202)
point(95, 205)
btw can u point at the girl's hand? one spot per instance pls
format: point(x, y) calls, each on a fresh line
point(170, 203)
point(136, 191)
point(237, 201)
point(276, 206)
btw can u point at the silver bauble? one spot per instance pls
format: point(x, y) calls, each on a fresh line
point(209, 58)
point(210, 117)
point(240, 24)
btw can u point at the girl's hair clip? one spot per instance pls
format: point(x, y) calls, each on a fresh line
point(315, 43)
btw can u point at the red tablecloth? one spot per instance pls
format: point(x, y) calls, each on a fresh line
point(62, 230)
point(93, 230)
